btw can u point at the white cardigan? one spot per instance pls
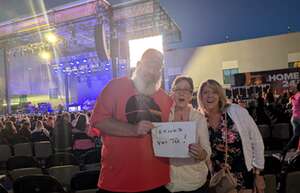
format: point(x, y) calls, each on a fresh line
point(188, 174)
point(253, 146)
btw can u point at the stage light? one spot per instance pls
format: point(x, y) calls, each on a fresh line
point(45, 55)
point(122, 66)
point(51, 38)
point(138, 46)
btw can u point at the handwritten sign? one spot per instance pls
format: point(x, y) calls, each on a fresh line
point(172, 139)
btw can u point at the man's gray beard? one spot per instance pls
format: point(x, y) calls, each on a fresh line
point(147, 89)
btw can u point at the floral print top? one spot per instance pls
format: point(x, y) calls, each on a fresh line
point(235, 151)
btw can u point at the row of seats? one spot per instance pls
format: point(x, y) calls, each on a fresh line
point(277, 131)
point(81, 182)
point(62, 166)
point(275, 136)
point(40, 150)
point(282, 177)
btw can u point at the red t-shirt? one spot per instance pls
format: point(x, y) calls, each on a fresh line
point(128, 163)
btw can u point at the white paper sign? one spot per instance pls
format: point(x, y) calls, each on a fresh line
point(172, 139)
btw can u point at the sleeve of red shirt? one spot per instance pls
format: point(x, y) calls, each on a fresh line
point(104, 105)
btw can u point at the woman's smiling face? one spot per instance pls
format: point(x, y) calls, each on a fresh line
point(210, 98)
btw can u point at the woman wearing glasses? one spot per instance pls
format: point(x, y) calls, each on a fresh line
point(189, 174)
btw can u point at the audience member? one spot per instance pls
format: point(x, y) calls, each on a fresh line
point(190, 174)
point(124, 113)
point(232, 124)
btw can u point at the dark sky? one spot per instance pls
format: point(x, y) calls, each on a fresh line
point(202, 22)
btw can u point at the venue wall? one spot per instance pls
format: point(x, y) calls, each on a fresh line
point(202, 63)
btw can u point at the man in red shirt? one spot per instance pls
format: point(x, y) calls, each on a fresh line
point(124, 113)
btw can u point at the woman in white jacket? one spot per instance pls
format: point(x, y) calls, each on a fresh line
point(189, 174)
point(245, 146)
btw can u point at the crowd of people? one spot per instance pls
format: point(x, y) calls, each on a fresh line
point(267, 108)
point(64, 130)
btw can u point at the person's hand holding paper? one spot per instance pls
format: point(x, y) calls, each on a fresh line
point(172, 139)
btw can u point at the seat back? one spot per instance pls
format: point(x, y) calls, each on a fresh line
point(60, 159)
point(16, 173)
point(64, 173)
point(42, 149)
point(17, 162)
point(91, 160)
point(23, 149)
point(265, 131)
point(37, 184)
point(91, 157)
point(85, 180)
point(292, 182)
point(281, 131)
point(5, 152)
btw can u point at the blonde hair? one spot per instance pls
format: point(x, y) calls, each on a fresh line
point(216, 87)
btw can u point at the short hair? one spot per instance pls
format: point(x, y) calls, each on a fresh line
point(213, 84)
point(181, 78)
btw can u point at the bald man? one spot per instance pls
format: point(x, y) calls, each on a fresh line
point(124, 113)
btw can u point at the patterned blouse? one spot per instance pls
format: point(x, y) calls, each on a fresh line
point(235, 151)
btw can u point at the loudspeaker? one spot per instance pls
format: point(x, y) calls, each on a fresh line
point(101, 42)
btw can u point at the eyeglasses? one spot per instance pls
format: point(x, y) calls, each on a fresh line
point(183, 90)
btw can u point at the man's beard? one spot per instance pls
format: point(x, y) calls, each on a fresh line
point(146, 88)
